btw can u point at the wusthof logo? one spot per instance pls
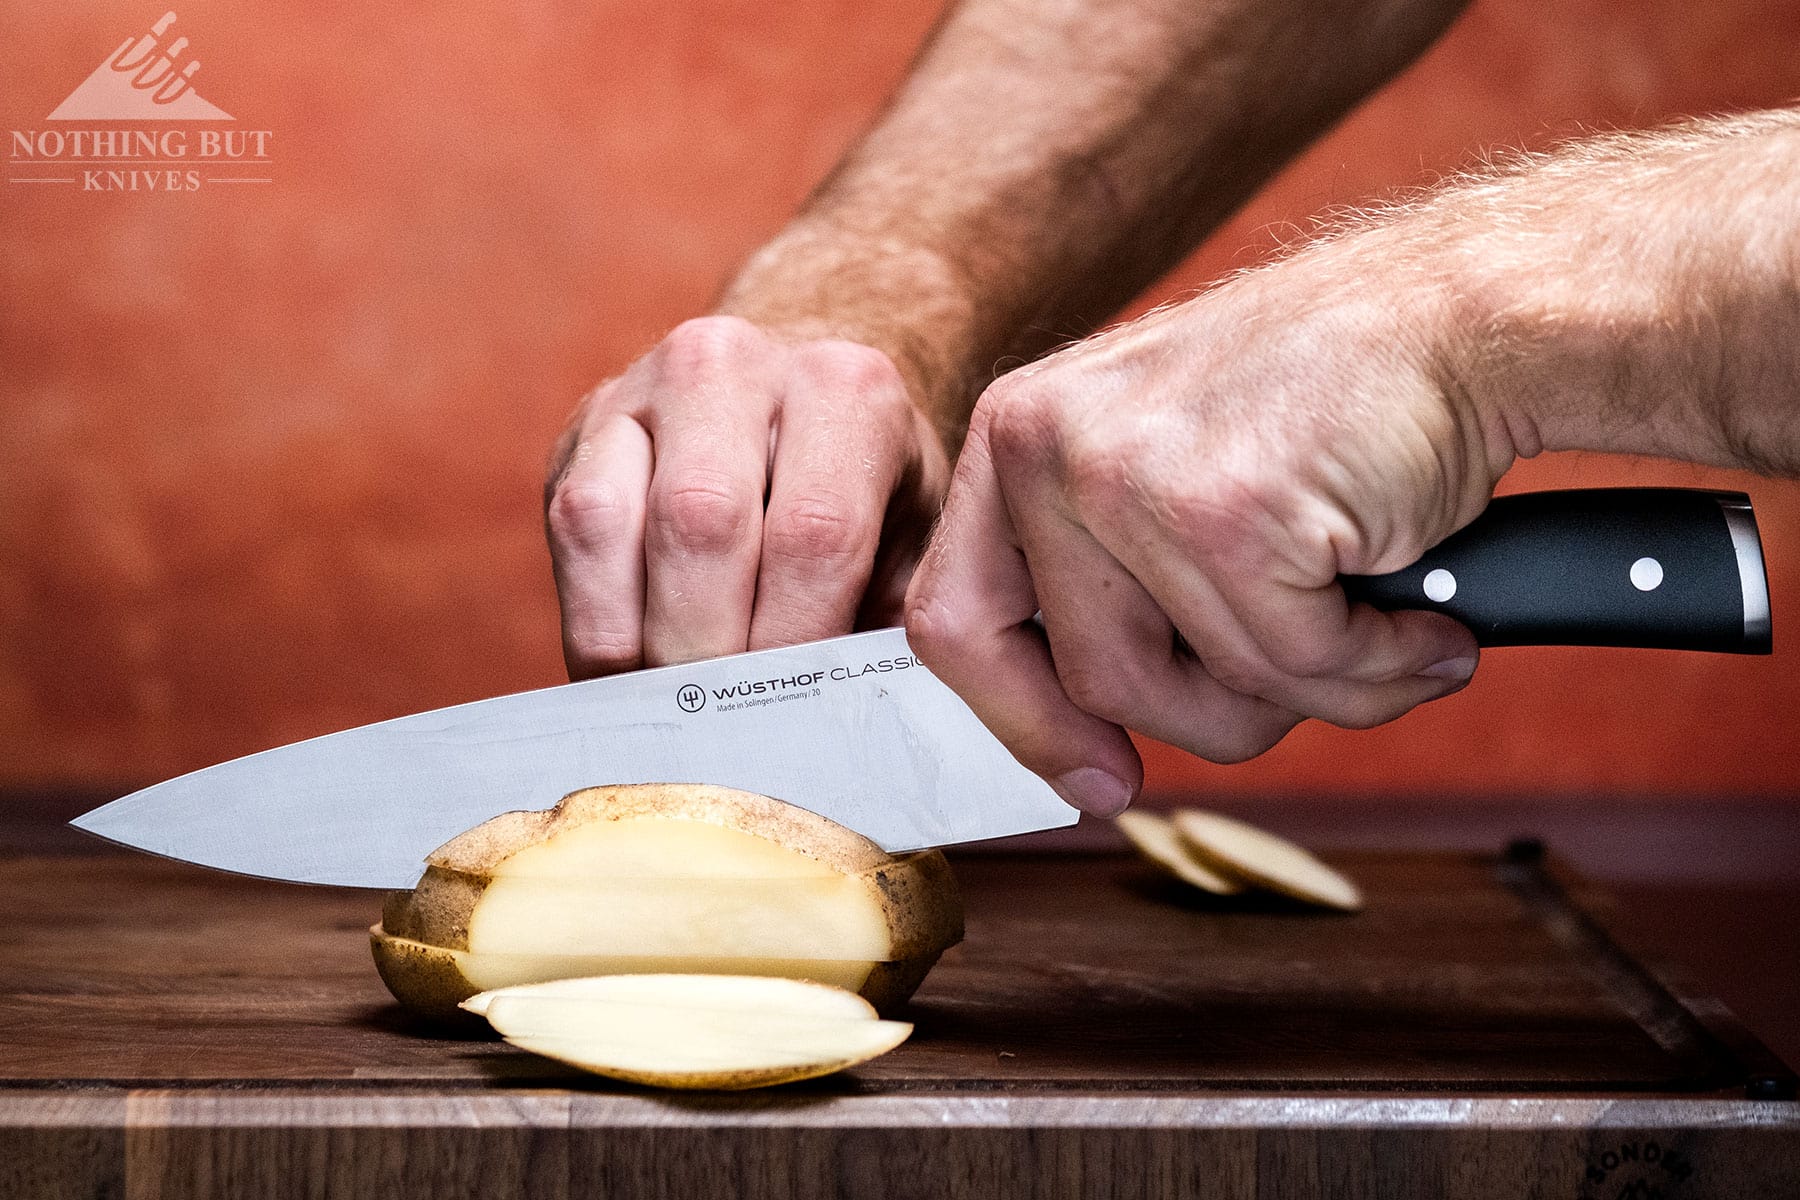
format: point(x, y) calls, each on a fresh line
point(148, 78)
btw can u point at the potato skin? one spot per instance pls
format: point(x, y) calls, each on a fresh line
point(421, 930)
point(425, 979)
point(711, 1081)
point(923, 904)
point(437, 910)
point(478, 851)
point(891, 984)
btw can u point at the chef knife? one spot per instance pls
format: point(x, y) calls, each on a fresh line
point(857, 729)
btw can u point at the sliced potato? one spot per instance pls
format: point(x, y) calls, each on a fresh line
point(693, 1031)
point(436, 981)
point(748, 994)
point(1262, 858)
point(1156, 839)
point(665, 878)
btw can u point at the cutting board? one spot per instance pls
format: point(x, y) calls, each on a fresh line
point(1477, 1031)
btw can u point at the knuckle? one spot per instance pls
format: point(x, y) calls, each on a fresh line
point(591, 514)
point(862, 370)
point(602, 652)
point(705, 346)
point(1106, 690)
point(817, 529)
point(702, 516)
point(1099, 480)
point(1020, 420)
point(1307, 657)
point(935, 629)
point(1221, 521)
point(1241, 672)
point(570, 446)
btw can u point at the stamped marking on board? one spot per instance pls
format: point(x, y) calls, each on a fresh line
point(1637, 1168)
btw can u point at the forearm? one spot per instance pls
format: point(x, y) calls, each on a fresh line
point(1203, 477)
point(1044, 163)
point(1638, 294)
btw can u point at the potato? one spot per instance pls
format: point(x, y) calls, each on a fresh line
point(1231, 847)
point(665, 878)
point(692, 1031)
point(1156, 839)
point(1218, 854)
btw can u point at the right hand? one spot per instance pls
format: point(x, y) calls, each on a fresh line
point(732, 491)
point(1178, 497)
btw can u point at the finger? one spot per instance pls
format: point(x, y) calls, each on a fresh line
point(839, 452)
point(911, 512)
point(1214, 607)
point(884, 601)
point(968, 616)
point(1283, 586)
point(703, 528)
point(595, 519)
point(1379, 665)
point(1116, 652)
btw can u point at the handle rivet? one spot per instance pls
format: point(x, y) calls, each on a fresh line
point(1646, 574)
point(1440, 585)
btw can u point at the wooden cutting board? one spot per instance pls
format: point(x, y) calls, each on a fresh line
point(170, 1031)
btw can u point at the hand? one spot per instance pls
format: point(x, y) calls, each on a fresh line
point(732, 491)
point(1178, 497)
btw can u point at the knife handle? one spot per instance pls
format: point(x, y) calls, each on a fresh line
point(1669, 568)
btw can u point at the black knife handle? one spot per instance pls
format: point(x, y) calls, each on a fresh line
point(1670, 568)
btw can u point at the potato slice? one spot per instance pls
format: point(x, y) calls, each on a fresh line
point(745, 993)
point(693, 1031)
point(436, 980)
point(1156, 839)
point(665, 877)
point(1264, 859)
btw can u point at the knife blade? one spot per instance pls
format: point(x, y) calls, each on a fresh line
point(857, 729)
point(853, 728)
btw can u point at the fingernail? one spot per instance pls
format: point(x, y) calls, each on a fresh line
point(1093, 791)
point(1452, 668)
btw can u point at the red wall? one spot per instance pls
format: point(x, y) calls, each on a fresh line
point(270, 454)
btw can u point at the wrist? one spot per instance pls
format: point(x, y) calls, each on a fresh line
point(1499, 352)
point(816, 281)
point(1565, 358)
point(1404, 300)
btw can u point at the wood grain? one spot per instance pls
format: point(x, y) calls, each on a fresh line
point(1086, 971)
point(172, 1032)
point(583, 1144)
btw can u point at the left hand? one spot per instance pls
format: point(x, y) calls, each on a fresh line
point(737, 488)
point(1178, 497)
